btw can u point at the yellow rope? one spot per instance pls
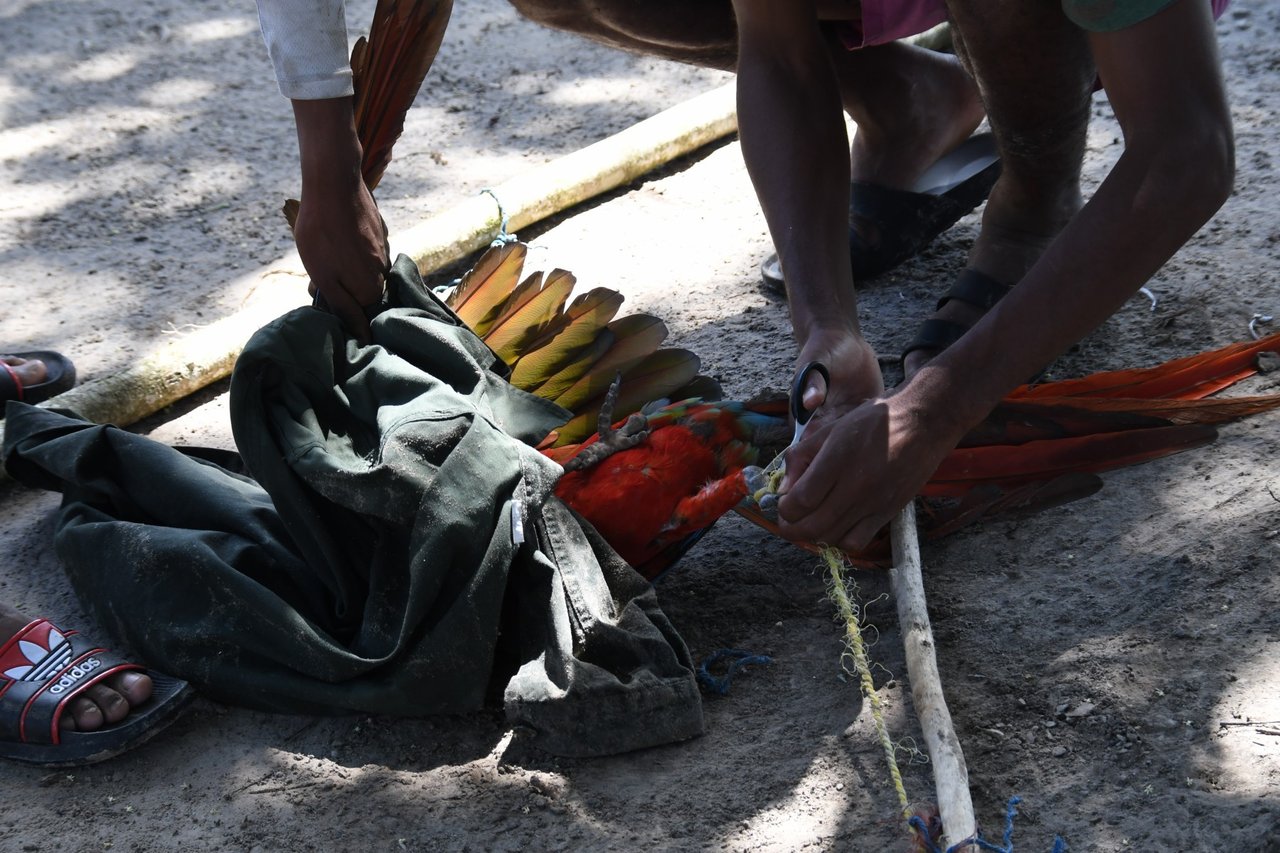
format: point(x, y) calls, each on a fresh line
point(848, 608)
point(858, 651)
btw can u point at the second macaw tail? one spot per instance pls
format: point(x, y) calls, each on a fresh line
point(1044, 445)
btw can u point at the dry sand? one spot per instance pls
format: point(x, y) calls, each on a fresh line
point(1114, 662)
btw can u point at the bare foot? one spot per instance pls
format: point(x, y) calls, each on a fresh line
point(105, 703)
point(29, 371)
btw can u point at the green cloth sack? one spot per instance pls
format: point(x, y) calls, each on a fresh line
point(390, 545)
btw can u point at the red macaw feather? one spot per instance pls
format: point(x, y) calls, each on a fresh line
point(387, 71)
point(651, 502)
point(1190, 378)
point(1039, 461)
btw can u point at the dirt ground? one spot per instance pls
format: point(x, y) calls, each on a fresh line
point(1116, 663)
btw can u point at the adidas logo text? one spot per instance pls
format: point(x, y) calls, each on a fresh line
point(72, 676)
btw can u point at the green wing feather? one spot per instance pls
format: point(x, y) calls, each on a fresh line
point(529, 314)
point(479, 299)
point(556, 348)
point(652, 379)
point(637, 338)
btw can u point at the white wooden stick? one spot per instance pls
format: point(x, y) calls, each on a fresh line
point(951, 777)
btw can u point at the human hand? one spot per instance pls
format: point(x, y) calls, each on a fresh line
point(853, 472)
point(855, 373)
point(340, 234)
point(343, 244)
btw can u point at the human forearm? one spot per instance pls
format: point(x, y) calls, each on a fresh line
point(794, 145)
point(1159, 193)
point(340, 234)
point(328, 147)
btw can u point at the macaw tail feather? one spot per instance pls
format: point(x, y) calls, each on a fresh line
point(1044, 445)
point(1040, 461)
point(387, 70)
point(570, 352)
point(1190, 378)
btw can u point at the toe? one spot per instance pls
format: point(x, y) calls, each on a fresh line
point(30, 371)
point(112, 707)
point(83, 715)
point(135, 687)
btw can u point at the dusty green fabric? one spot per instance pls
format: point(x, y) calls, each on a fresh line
point(1107, 16)
point(370, 563)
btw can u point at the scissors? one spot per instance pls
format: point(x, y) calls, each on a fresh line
point(801, 416)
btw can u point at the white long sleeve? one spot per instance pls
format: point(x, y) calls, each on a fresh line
point(307, 41)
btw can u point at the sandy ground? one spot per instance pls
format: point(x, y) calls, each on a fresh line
point(1115, 662)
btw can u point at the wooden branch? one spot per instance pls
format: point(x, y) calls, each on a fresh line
point(951, 777)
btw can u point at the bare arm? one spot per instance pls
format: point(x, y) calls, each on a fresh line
point(791, 124)
point(1163, 79)
point(340, 234)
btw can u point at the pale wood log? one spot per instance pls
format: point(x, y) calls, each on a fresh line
point(193, 360)
point(572, 179)
point(951, 776)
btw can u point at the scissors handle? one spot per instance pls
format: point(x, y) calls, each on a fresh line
point(799, 413)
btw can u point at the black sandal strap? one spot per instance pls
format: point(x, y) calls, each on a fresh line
point(976, 289)
point(936, 335)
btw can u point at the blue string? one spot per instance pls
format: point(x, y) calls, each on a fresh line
point(720, 684)
point(503, 237)
point(976, 840)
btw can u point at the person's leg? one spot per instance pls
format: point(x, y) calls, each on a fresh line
point(698, 32)
point(103, 704)
point(911, 106)
point(1035, 75)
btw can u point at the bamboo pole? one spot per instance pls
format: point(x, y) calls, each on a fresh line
point(191, 361)
point(573, 178)
point(950, 775)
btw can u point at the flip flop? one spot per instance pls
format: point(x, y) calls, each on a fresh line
point(42, 669)
point(972, 288)
point(61, 376)
point(909, 220)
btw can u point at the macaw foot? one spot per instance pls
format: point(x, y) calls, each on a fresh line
point(760, 485)
point(610, 439)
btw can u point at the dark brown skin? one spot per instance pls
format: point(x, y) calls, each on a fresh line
point(30, 371)
point(340, 234)
point(859, 464)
